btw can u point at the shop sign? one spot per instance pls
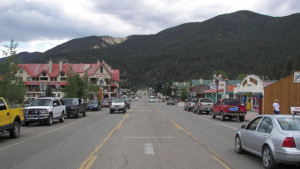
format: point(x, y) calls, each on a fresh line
point(248, 84)
point(295, 110)
point(253, 80)
point(296, 77)
point(100, 75)
point(244, 82)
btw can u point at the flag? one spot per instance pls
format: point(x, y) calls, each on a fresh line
point(213, 87)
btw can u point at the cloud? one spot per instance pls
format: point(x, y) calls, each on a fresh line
point(46, 21)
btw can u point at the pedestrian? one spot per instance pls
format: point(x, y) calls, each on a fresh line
point(81, 100)
point(276, 107)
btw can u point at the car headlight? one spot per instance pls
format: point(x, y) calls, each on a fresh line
point(73, 108)
point(43, 111)
point(95, 106)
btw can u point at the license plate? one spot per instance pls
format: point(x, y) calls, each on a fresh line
point(236, 114)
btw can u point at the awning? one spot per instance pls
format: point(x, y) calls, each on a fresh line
point(242, 93)
point(50, 83)
point(257, 94)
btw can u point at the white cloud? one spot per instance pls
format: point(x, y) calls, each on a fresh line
point(42, 24)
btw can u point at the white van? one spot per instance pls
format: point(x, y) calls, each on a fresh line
point(152, 99)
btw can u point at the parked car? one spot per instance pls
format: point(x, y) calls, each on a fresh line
point(106, 102)
point(274, 138)
point(230, 108)
point(118, 104)
point(189, 104)
point(74, 106)
point(11, 119)
point(127, 102)
point(203, 104)
point(171, 101)
point(94, 105)
point(45, 109)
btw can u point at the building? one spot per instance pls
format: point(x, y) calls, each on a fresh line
point(37, 76)
point(251, 91)
point(286, 90)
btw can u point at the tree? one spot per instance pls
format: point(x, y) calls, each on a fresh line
point(11, 86)
point(241, 76)
point(72, 88)
point(289, 67)
point(48, 91)
point(168, 90)
point(183, 93)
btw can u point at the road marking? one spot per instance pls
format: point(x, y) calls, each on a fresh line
point(221, 162)
point(47, 132)
point(149, 137)
point(149, 148)
point(145, 110)
point(91, 157)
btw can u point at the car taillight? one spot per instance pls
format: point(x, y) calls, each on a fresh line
point(289, 142)
point(200, 104)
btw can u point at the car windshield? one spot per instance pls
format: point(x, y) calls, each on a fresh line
point(206, 101)
point(230, 102)
point(93, 102)
point(104, 101)
point(289, 123)
point(41, 102)
point(194, 100)
point(71, 101)
point(118, 100)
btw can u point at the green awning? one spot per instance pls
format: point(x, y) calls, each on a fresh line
point(242, 93)
point(257, 94)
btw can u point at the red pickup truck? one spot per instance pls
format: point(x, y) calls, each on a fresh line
point(229, 108)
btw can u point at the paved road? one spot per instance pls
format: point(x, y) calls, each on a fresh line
point(149, 135)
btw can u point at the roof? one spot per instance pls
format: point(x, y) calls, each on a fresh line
point(115, 75)
point(200, 88)
point(230, 88)
point(209, 91)
point(34, 70)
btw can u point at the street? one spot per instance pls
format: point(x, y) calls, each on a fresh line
point(149, 135)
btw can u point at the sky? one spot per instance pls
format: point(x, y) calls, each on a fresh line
point(39, 25)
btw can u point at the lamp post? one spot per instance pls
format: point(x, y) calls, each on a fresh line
point(217, 79)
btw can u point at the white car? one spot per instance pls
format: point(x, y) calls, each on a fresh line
point(136, 98)
point(152, 99)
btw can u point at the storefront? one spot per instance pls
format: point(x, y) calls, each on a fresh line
point(251, 91)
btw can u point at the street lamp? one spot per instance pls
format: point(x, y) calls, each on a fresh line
point(217, 79)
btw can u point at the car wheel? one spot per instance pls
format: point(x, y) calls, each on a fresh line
point(15, 132)
point(207, 112)
point(84, 113)
point(76, 115)
point(267, 158)
point(222, 118)
point(128, 107)
point(49, 120)
point(238, 145)
point(242, 118)
point(62, 117)
point(68, 115)
point(111, 112)
point(124, 111)
point(213, 116)
point(26, 123)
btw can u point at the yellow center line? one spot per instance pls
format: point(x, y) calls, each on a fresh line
point(91, 158)
point(221, 162)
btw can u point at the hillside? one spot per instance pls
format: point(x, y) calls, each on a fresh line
point(240, 42)
point(25, 56)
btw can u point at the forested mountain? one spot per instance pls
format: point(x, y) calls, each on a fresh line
point(240, 42)
point(25, 57)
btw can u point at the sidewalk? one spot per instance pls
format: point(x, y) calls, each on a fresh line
point(250, 114)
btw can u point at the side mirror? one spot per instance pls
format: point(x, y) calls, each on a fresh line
point(55, 104)
point(243, 126)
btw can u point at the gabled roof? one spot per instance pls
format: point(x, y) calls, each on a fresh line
point(115, 75)
point(34, 70)
point(230, 88)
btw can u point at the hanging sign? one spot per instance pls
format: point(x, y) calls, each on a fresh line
point(296, 77)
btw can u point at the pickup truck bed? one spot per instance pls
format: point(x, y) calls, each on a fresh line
point(229, 108)
point(203, 104)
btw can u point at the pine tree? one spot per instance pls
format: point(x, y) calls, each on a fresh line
point(48, 91)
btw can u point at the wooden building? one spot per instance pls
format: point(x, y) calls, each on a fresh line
point(287, 91)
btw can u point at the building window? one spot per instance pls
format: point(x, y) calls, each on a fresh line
point(35, 79)
point(28, 94)
point(29, 79)
point(33, 94)
point(101, 69)
point(62, 74)
point(63, 79)
point(21, 71)
point(53, 79)
point(44, 74)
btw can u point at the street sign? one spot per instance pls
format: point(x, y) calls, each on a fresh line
point(194, 94)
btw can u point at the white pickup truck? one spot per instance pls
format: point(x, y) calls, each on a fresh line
point(45, 109)
point(203, 104)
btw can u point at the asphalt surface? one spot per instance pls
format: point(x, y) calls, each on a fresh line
point(149, 135)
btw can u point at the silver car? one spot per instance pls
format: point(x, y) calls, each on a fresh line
point(275, 138)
